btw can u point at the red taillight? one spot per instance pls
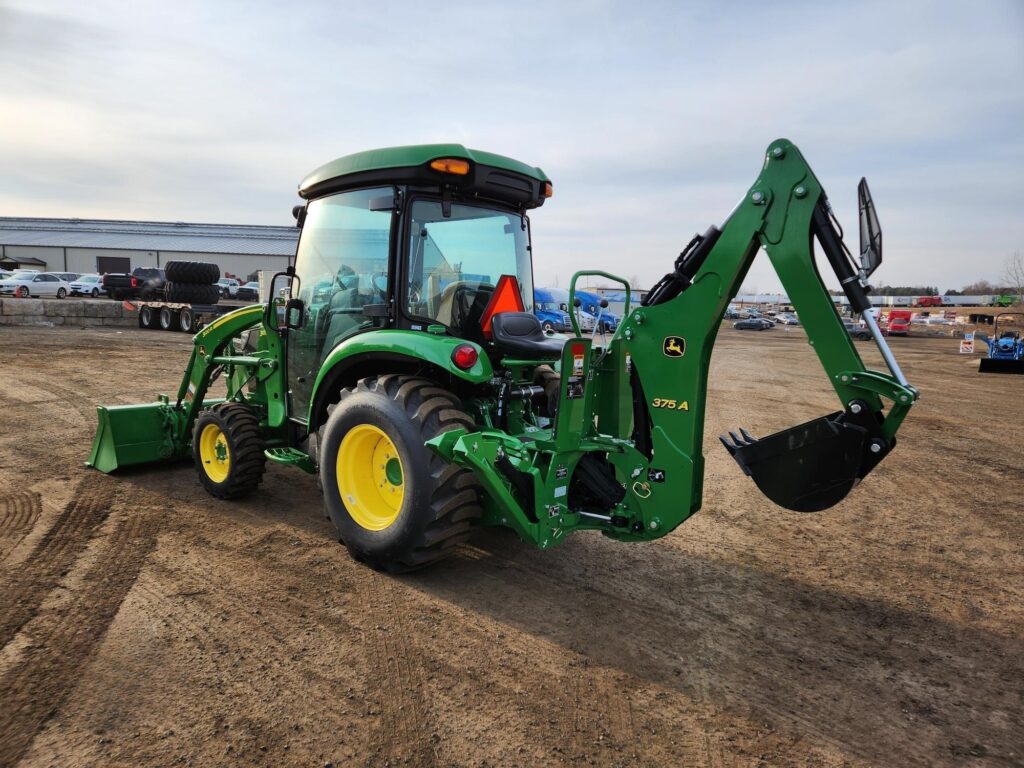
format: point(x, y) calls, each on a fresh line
point(135, 283)
point(465, 356)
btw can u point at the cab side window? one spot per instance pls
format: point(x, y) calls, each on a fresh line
point(342, 266)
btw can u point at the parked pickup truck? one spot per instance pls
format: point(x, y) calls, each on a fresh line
point(142, 283)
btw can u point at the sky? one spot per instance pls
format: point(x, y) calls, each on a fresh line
point(651, 118)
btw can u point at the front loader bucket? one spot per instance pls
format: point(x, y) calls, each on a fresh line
point(812, 466)
point(132, 434)
point(996, 365)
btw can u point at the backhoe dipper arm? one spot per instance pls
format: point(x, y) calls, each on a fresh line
point(808, 467)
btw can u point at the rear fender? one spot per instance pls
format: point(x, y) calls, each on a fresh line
point(391, 348)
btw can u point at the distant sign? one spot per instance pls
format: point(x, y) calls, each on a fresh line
point(967, 347)
point(969, 336)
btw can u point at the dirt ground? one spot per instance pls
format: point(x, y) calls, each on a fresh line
point(145, 623)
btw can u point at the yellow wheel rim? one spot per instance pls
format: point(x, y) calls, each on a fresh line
point(214, 453)
point(371, 479)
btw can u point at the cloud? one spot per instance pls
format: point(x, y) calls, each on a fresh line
point(650, 117)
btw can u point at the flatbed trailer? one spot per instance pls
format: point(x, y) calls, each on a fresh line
point(174, 316)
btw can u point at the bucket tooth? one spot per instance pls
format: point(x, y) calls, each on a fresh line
point(737, 441)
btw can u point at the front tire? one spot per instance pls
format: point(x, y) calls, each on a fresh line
point(61, 293)
point(396, 505)
point(227, 445)
point(95, 293)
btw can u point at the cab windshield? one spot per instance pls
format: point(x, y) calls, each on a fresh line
point(454, 262)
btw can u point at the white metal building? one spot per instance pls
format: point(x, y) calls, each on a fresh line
point(100, 245)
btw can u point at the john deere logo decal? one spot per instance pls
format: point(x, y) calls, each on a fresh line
point(674, 346)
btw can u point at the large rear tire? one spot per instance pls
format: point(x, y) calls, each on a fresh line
point(193, 272)
point(189, 293)
point(227, 446)
point(397, 506)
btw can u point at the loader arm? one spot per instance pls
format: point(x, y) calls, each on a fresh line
point(630, 425)
point(162, 431)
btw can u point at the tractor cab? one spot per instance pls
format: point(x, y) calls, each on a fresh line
point(410, 238)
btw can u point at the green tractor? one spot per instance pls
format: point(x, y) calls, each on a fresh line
point(399, 361)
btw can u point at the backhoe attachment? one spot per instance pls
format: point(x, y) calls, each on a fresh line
point(623, 454)
point(814, 465)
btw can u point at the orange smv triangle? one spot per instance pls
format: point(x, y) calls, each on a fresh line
point(506, 298)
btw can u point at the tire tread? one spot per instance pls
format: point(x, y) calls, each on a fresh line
point(455, 500)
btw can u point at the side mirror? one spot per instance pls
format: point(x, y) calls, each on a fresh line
point(604, 303)
point(274, 315)
point(280, 286)
point(577, 303)
point(293, 313)
point(870, 230)
point(299, 212)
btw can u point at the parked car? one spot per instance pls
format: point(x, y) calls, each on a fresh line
point(552, 317)
point(731, 314)
point(787, 318)
point(248, 292)
point(34, 284)
point(68, 277)
point(87, 285)
point(754, 324)
point(856, 330)
point(228, 287)
point(142, 283)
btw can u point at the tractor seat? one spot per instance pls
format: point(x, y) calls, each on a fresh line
point(519, 334)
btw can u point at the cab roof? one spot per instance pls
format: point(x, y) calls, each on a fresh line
point(491, 174)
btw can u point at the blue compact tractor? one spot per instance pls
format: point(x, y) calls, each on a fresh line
point(1005, 348)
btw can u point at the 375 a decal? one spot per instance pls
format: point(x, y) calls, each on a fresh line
point(674, 405)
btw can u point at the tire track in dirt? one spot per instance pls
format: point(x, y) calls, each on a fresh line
point(602, 720)
point(593, 710)
point(64, 638)
point(398, 682)
point(18, 513)
point(43, 382)
point(23, 589)
point(590, 709)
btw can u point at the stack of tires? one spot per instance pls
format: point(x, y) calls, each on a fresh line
point(192, 282)
point(188, 282)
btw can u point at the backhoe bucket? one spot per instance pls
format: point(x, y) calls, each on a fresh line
point(132, 434)
point(997, 365)
point(812, 466)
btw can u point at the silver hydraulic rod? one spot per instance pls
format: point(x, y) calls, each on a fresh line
point(883, 347)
